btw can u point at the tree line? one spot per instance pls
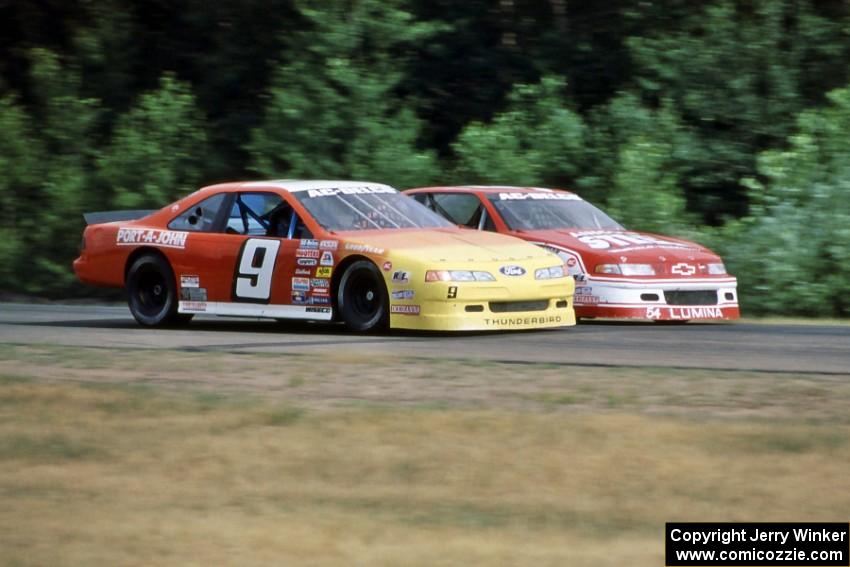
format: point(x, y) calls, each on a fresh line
point(723, 121)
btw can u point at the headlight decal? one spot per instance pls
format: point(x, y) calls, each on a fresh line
point(550, 273)
point(458, 276)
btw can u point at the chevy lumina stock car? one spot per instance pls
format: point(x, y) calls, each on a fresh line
point(356, 252)
point(619, 273)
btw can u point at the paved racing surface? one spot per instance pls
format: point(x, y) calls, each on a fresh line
point(743, 346)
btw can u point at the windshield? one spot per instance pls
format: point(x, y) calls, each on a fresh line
point(367, 208)
point(545, 211)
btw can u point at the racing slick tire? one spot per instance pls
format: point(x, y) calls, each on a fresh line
point(152, 293)
point(362, 298)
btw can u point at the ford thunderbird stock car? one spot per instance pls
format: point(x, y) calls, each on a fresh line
point(357, 252)
point(619, 273)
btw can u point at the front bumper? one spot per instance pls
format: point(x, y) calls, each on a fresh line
point(658, 300)
point(484, 307)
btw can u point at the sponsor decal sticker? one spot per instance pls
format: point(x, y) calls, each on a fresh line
point(695, 313)
point(602, 240)
point(320, 282)
point(585, 299)
point(571, 261)
point(193, 294)
point(401, 277)
point(190, 281)
point(404, 309)
point(512, 271)
point(320, 300)
point(152, 236)
point(327, 259)
point(307, 261)
point(333, 191)
point(302, 272)
point(403, 294)
point(324, 272)
point(364, 248)
point(683, 269)
point(387, 266)
point(194, 306)
point(321, 291)
point(318, 309)
point(300, 284)
point(309, 243)
point(538, 197)
point(510, 321)
point(328, 244)
point(307, 253)
point(299, 298)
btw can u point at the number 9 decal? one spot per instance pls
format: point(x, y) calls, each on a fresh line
point(252, 280)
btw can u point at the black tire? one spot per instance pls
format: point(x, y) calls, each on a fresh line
point(152, 292)
point(362, 298)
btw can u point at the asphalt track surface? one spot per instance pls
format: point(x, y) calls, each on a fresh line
point(820, 349)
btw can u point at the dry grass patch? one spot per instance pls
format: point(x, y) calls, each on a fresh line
point(342, 379)
point(116, 475)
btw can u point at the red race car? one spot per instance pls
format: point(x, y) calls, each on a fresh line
point(619, 273)
point(321, 250)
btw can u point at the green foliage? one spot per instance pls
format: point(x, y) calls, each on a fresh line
point(792, 253)
point(646, 195)
point(50, 211)
point(20, 165)
point(334, 111)
point(671, 115)
point(536, 141)
point(157, 150)
point(737, 73)
point(639, 163)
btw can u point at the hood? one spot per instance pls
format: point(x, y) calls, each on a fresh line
point(669, 256)
point(448, 245)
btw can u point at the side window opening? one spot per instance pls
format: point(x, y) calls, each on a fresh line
point(425, 199)
point(487, 223)
point(460, 208)
point(265, 214)
point(284, 222)
point(200, 218)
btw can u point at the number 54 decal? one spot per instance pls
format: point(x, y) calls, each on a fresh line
point(252, 280)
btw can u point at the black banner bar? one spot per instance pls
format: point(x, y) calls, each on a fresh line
point(757, 544)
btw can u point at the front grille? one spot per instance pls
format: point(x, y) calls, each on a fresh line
point(514, 306)
point(691, 297)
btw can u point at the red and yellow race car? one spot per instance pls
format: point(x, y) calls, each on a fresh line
point(619, 273)
point(321, 250)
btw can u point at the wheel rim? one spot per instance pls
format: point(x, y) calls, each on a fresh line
point(363, 296)
point(151, 293)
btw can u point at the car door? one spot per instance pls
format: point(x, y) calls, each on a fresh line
point(275, 256)
point(197, 268)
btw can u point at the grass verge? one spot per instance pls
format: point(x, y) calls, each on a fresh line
point(174, 462)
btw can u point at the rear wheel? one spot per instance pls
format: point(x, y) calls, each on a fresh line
point(362, 298)
point(152, 293)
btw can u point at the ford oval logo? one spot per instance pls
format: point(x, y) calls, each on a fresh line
point(512, 270)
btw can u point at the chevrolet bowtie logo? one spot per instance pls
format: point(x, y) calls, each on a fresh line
point(684, 269)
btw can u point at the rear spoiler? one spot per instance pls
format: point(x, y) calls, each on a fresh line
point(113, 216)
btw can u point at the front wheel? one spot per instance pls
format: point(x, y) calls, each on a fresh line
point(152, 293)
point(362, 298)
